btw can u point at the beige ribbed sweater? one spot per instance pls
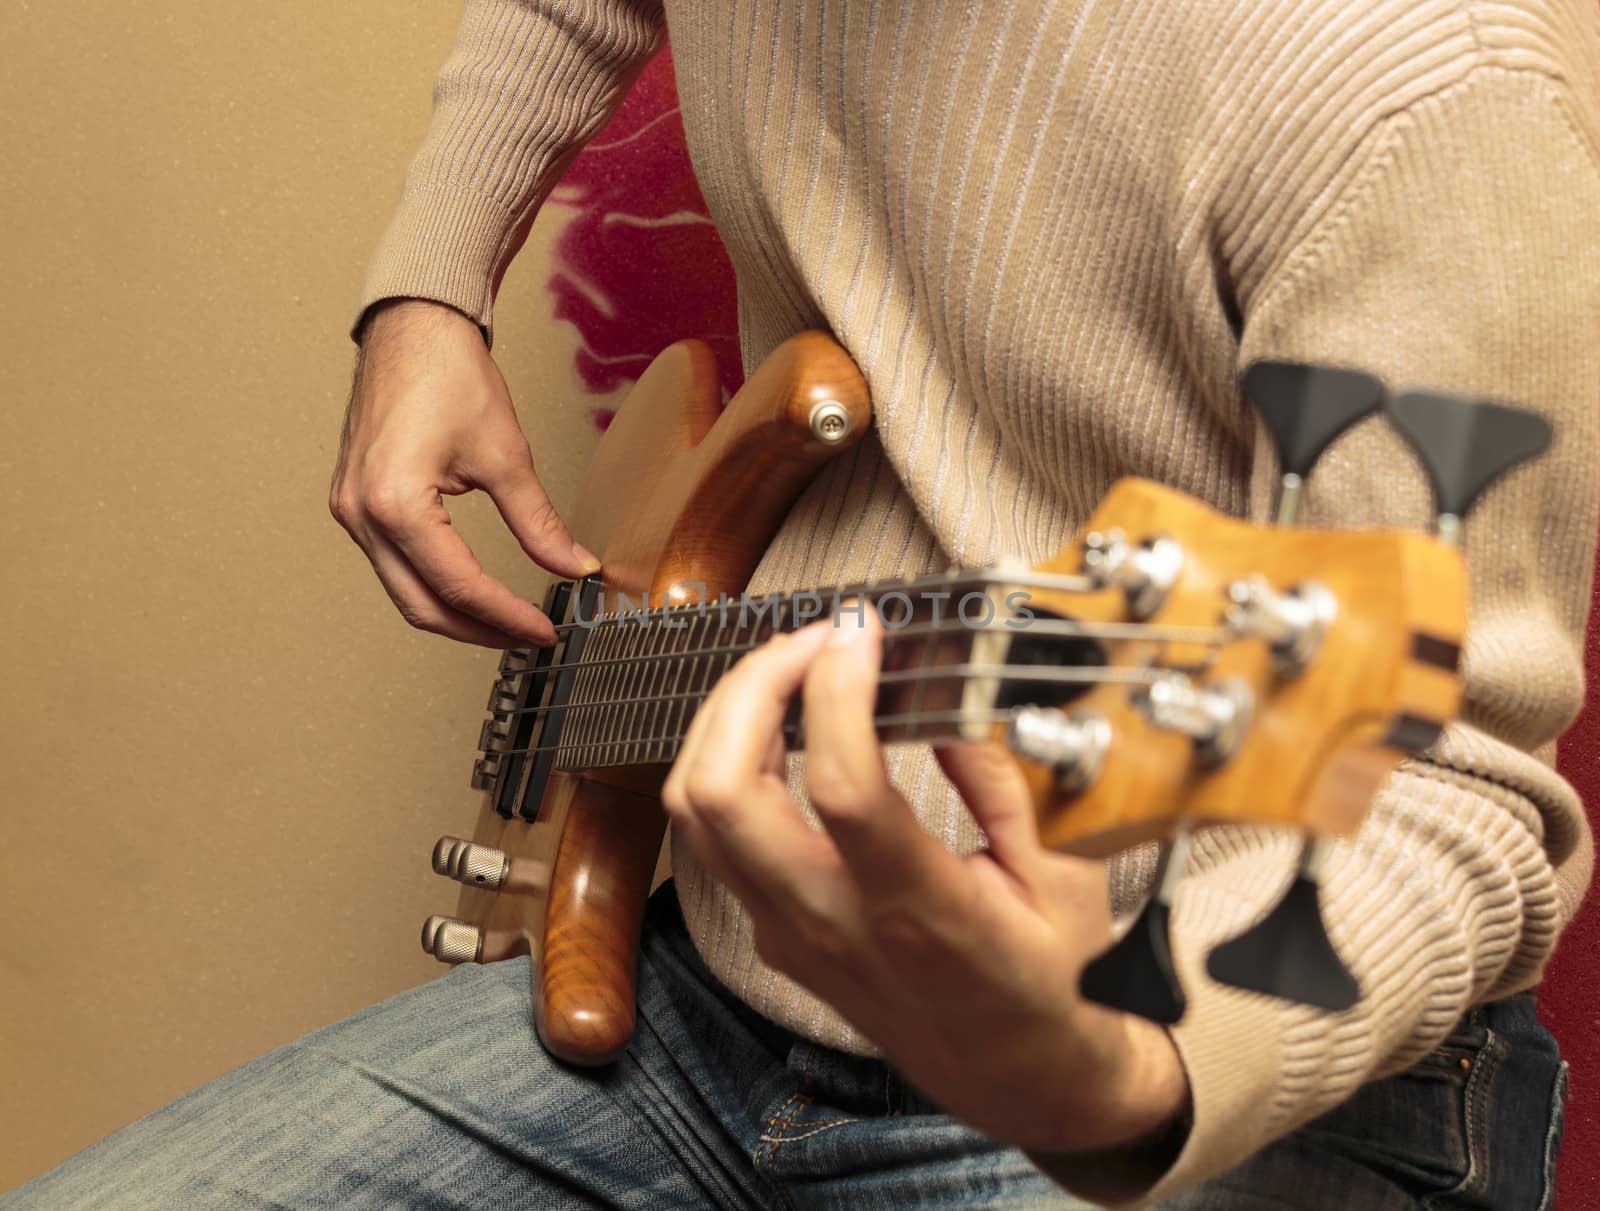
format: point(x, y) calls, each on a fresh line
point(1050, 234)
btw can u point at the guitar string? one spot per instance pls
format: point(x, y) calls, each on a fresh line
point(611, 669)
point(1049, 674)
point(1048, 628)
point(788, 730)
point(1059, 675)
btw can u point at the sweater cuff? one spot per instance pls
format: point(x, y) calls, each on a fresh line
point(1236, 1106)
point(447, 245)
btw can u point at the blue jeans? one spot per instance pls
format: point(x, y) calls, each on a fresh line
point(441, 1098)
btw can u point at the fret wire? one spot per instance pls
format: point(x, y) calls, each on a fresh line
point(596, 647)
point(700, 682)
point(667, 725)
point(584, 691)
point(643, 645)
point(581, 672)
point(667, 674)
point(621, 675)
point(663, 649)
point(640, 677)
point(728, 658)
point(600, 685)
point(674, 715)
point(599, 689)
point(625, 716)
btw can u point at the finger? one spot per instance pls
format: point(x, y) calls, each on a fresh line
point(993, 787)
point(528, 513)
point(869, 821)
point(759, 889)
point(691, 751)
point(419, 605)
point(733, 733)
point(420, 530)
point(725, 792)
point(795, 900)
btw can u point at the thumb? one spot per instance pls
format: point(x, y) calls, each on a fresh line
point(519, 496)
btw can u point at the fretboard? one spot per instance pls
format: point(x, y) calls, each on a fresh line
point(626, 676)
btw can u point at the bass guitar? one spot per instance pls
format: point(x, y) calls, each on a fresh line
point(1173, 668)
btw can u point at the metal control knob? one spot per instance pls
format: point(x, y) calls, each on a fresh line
point(1074, 746)
point(475, 865)
point(451, 940)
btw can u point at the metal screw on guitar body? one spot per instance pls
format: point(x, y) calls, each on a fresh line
point(830, 421)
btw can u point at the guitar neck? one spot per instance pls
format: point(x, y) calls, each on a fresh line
point(625, 677)
point(641, 673)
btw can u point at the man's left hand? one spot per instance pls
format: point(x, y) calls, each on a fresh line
point(964, 971)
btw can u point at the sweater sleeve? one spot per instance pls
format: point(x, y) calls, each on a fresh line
point(1463, 254)
point(526, 84)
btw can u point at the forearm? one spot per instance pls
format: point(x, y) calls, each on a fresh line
point(525, 85)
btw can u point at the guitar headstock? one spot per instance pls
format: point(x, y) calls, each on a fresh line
point(1256, 674)
point(1253, 674)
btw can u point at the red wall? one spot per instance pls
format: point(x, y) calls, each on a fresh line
point(1568, 1000)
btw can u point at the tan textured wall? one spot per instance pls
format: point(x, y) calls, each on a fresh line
point(223, 757)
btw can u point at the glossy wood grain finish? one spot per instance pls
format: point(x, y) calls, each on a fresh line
point(1316, 750)
point(598, 886)
point(681, 490)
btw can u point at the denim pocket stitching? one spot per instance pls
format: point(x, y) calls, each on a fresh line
point(766, 1158)
point(1553, 1134)
point(1475, 1121)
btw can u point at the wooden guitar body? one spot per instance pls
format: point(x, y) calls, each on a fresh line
point(682, 491)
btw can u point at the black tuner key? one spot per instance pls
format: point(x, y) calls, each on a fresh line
point(1287, 954)
point(1466, 444)
point(1306, 407)
point(1137, 974)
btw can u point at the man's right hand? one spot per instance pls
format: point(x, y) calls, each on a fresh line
point(430, 417)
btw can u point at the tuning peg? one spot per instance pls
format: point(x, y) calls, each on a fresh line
point(1073, 746)
point(1137, 975)
point(1305, 408)
point(1465, 445)
point(489, 868)
point(1288, 954)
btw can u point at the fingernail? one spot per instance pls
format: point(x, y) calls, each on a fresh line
point(587, 560)
point(849, 624)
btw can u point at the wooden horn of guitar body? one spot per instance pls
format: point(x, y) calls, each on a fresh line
point(681, 490)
